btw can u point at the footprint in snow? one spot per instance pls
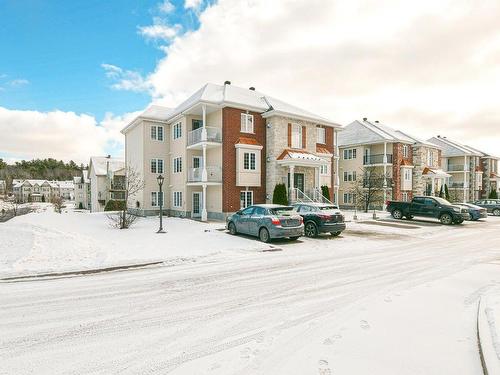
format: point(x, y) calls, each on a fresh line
point(364, 324)
point(245, 353)
point(323, 368)
point(388, 299)
point(331, 340)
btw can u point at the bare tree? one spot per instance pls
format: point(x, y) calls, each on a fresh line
point(368, 189)
point(123, 218)
point(58, 203)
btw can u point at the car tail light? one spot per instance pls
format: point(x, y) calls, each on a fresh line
point(275, 220)
point(387, 203)
point(301, 219)
point(325, 217)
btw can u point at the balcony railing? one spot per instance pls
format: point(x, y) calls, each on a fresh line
point(214, 174)
point(459, 185)
point(197, 135)
point(376, 159)
point(117, 185)
point(376, 184)
point(456, 168)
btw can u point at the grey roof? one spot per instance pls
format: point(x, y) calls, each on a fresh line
point(453, 148)
point(367, 132)
point(230, 95)
point(100, 164)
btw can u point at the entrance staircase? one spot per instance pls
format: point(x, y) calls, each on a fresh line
point(296, 195)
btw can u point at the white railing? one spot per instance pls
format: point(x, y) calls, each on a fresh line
point(214, 174)
point(208, 134)
point(319, 197)
point(296, 195)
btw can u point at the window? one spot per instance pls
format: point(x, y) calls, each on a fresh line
point(323, 170)
point(246, 198)
point(348, 198)
point(248, 211)
point(177, 130)
point(405, 196)
point(349, 176)
point(407, 174)
point(350, 154)
point(157, 132)
point(296, 136)
point(321, 135)
point(196, 124)
point(430, 158)
point(156, 165)
point(246, 123)
point(177, 165)
point(249, 161)
point(196, 161)
point(259, 211)
point(177, 199)
point(156, 198)
point(405, 151)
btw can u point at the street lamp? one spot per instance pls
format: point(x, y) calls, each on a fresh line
point(160, 180)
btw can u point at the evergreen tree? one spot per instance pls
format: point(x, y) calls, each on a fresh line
point(446, 192)
point(441, 192)
point(325, 191)
point(279, 194)
point(493, 195)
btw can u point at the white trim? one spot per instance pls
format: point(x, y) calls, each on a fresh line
point(246, 146)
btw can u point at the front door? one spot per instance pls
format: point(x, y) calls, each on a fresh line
point(298, 179)
point(196, 211)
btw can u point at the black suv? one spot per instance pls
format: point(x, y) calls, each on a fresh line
point(492, 205)
point(321, 218)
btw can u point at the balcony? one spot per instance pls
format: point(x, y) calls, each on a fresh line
point(212, 137)
point(456, 168)
point(376, 184)
point(214, 174)
point(117, 185)
point(376, 159)
point(459, 185)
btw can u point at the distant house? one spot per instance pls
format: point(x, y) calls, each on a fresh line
point(42, 190)
point(107, 181)
point(3, 187)
point(82, 190)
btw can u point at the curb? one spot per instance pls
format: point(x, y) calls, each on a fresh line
point(487, 351)
point(75, 273)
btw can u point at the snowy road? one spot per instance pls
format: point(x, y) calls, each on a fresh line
point(282, 312)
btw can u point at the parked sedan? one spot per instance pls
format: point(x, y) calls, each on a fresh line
point(475, 212)
point(492, 205)
point(321, 218)
point(267, 221)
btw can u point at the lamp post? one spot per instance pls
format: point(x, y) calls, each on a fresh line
point(160, 180)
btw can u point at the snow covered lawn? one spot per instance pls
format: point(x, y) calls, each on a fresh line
point(46, 242)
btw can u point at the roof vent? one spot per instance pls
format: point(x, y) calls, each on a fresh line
point(108, 157)
point(365, 118)
point(227, 82)
point(252, 88)
point(376, 121)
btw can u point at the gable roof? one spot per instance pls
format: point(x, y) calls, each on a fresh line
point(453, 148)
point(152, 113)
point(228, 95)
point(100, 164)
point(366, 132)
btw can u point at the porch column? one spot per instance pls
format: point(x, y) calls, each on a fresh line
point(204, 175)
point(292, 183)
point(204, 121)
point(204, 138)
point(316, 177)
point(433, 186)
point(204, 203)
point(465, 178)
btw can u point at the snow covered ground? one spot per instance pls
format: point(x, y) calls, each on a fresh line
point(384, 298)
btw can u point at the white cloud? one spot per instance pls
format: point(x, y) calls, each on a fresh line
point(160, 31)
point(18, 82)
point(127, 80)
point(400, 62)
point(59, 135)
point(192, 4)
point(166, 7)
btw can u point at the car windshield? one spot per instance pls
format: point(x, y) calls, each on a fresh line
point(327, 208)
point(284, 211)
point(442, 201)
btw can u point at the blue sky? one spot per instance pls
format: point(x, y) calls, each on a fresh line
point(53, 51)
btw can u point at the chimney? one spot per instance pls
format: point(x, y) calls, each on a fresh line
point(227, 82)
point(365, 118)
point(108, 157)
point(376, 121)
point(252, 88)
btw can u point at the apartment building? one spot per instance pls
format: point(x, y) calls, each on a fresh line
point(227, 147)
point(408, 165)
point(41, 190)
point(106, 177)
point(82, 190)
point(473, 172)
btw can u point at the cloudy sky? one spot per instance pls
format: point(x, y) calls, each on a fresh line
point(73, 73)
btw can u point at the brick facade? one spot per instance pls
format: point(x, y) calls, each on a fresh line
point(330, 146)
point(397, 161)
point(231, 126)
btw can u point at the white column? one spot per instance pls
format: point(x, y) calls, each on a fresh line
point(204, 175)
point(337, 162)
point(292, 183)
point(204, 203)
point(433, 186)
point(204, 121)
point(465, 178)
point(316, 177)
point(385, 176)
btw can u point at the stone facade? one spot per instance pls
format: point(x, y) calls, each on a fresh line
point(420, 162)
point(397, 161)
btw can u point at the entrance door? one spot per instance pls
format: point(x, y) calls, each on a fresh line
point(298, 181)
point(196, 211)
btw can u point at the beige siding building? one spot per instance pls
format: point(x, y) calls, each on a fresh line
point(107, 181)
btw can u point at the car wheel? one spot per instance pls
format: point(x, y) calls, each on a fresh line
point(232, 228)
point(310, 230)
point(264, 235)
point(397, 214)
point(496, 212)
point(335, 234)
point(295, 238)
point(446, 219)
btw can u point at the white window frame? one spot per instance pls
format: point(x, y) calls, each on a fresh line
point(155, 133)
point(405, 151)
point(155, 202)
point(323, 170)
point(252, 161)
point(247, 123)
point(177, 165)
point(200, 158)
point(177, 199)
point(177, 130)
point(349, 176)
point(350, 198)
point(407, 174)
point(244, 198)
point(321, 135)
point(156, 163)
point(297, 136)
point(350, 153)
point(430, 158)
point(405, 196)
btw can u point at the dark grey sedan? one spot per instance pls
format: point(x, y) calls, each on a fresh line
point(267, 221)
point(492, 205)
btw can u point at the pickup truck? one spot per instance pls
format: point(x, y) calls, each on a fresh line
point(434, 207)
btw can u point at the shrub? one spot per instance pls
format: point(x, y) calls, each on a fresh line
point(325, 190)
point(441, 192)
point(279, 194)
point(114, 205)
point(493, 194)
point(446, 192)
point(80, 206)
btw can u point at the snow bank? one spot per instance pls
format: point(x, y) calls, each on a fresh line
point(489, 330)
